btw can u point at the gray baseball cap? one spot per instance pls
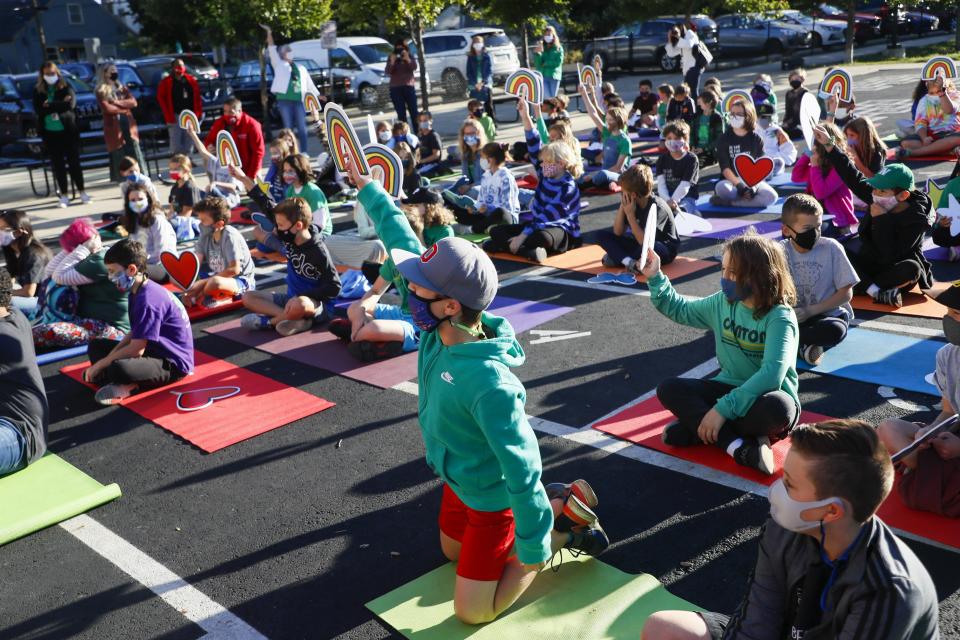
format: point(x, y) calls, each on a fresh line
point(453, 267)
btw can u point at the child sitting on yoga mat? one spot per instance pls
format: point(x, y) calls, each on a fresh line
point(643, 113)
point(753, 399)
point(145, 221)
point(740, 137)
point(931, 475)
point(616, 143)
point(553, 225)
point(498, 202)
point(827, 566)
point(183, 195)
point(623, 244)
point(824, 183)
point(24, 413)
point(889, 255)
point(776, 144)
point(822, 274)
point(707, 128)
point(227, 257)
point(497, 521)
point(678, 170)
point(312, 280)
point(158, 349)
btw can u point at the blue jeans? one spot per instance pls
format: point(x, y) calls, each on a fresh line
point(603, 177)
point(27, 305)
point(692, 78)
point(12, 447)
point(294, 117)
point(405, 100)
point(550, 87)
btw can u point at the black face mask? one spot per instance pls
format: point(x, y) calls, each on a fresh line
point(398, 51)
point(796, 84)
point(808, 239)
point(951, 329)
point(286, 236)
point(478, 113)
point(114, 76)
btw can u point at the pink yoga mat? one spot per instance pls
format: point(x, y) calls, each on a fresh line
point(320, 348)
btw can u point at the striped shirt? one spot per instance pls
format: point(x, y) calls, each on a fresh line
point(556, 202)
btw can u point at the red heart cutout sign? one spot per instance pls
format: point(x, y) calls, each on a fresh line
point(203, 398)
point(182, 269)
point(751, 171)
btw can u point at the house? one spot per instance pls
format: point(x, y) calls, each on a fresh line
point(70, 28)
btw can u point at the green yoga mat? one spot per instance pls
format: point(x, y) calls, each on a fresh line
point(586, 598)
point(476, 238)
point(49, 491)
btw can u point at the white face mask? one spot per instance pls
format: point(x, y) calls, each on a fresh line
point(6, 237)
point(737, 122)
point(384, 136)
point(51, 79)
point(484, 164)
point(548, 38)
point(886, 202)
point(786, 511)
point(478, 46)
point(139, 206)
point(841, 113)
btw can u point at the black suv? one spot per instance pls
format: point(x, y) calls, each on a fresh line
point(643, 43)
point(246, 86)
point(17, 117)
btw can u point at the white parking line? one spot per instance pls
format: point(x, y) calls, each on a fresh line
point(210, 616)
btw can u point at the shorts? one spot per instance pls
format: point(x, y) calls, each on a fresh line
point(485, 537)
point(936, 135)
point(716, 623)
point(411, 333)
point(243, 284)
point(280, 298)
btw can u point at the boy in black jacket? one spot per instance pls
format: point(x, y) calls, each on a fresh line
point(889, 258)
point(312, 278)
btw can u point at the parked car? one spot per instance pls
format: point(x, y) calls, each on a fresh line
point(360, 59)
point(865, 26)
point(824, 33)
point(246, 86)
point(742, 34)
point(644, 43)
point(946, 14)
point(88, 109)
point(445, 53)
point(918, 22)
point(86, 71)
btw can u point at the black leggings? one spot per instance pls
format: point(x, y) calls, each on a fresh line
point(553, 239)
point(823, 331)
point(773, 414)
point(903, 274)
point(64, 149)
point(146, 372)
point(479, 222)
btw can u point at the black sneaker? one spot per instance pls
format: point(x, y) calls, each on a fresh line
point(341, 327)
point(890, 297)
point(590, 540)
point(676, 435)
point(756, 454)
point(609, 262)
point(368, 351)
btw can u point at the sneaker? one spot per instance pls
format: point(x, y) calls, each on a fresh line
point(538, 255)
point(953, 254)
point(812, 354)
point(717, 201)
point(84, 198)
point(580, 488)
point(64, 202)
point(609, 262)
point(756, 454)
point(590, 540)
point(342, 328)
point(902, 154)
point(255, 322)
point(889, 297)
point(575, 514)
point(369, 351)
point(114, 393)
point(490, 246)
point(676, 435)
point(291, 327)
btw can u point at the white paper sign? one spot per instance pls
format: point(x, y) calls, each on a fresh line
point(649, 235)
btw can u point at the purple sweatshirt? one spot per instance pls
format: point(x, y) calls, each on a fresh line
point(832, 193)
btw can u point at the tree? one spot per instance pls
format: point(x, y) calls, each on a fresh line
point(167, 22)
point(524, 16)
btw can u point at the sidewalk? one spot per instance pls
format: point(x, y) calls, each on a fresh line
point(49, 220)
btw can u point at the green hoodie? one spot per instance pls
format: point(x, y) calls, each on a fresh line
point(472, 416)
point(756, 356)
point(550, 62)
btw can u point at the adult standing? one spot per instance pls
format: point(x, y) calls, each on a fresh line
point(246, 133)
point(548, 60)
point(291, 81)
point(119, 126)
point(683, 41)
point(402, 67)
point(480, 73)
point(55, 102)
point(178, 91)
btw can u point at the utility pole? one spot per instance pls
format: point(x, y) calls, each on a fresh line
point(40, 33)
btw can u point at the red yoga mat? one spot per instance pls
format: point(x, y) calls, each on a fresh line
point(199, 312)
point(922, 523)
point(241, 215)
point(940, 157)
point(527, 182)
point(261, 405)
point(606, 190)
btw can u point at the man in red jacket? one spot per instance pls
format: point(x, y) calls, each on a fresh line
point(246, 133)
point(178, 91)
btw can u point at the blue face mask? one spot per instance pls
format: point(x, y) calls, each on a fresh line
point(732, 292)
point(422, 315)
point(471, 140)
point(123, 281)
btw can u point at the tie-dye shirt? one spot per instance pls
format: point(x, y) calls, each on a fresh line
point(930, 114)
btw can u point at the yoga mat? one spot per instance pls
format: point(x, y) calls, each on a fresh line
point(587, 259)
point(607, 190)
point(527, 182)
point(236, 215)
point(724, 228)
point(704, 207)
point(476, 238)
point(48, 491)
point(643, 423)
point(784, 180)
point(321, 349)
point(940, 157)
point(263, 404)
point(933, 252)
point(922, 523)
point(62, 354)
point(586, 598)
point(199, 312)
point(914, 304)
point(889, 359)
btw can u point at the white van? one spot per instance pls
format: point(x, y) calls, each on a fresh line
point(361, 59)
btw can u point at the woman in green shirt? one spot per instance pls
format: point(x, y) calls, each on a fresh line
point(55, 103)
point(753, 400)
point(548, 60)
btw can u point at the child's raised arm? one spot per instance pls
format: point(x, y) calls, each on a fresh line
point(524, 114)
point(199, 146)
point(593, 109)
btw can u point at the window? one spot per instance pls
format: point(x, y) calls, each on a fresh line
point(371, 53)
point(432, 45)
point(496, 39)
point(128, 75)
point(725, 23)
point(340, 59)
point(74, 13)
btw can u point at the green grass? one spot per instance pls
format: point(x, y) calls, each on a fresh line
point(914, 54)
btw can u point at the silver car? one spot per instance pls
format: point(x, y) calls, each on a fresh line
point(746, 34)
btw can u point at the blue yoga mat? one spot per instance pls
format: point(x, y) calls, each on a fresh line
point(879, 358)
point(704, 207)
point(63, 354)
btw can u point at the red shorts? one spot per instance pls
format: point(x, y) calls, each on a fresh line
point(485, 537)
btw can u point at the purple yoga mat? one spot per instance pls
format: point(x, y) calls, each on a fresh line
point(724, 228)
point(933, 252)
point(320, 348)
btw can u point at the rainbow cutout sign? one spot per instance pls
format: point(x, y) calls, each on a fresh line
point(343, 140)
point(732, 97)
point(311, 103)
point(939, 66)
point(227, 152)
point(189, 120)
point(588, 75)
point(837, 82)
point(526, 84)
point(385, 167)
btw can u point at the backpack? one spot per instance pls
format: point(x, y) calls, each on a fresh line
point(57, 303)
point(702, 55)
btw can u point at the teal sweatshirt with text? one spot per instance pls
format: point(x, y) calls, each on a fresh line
point(756, 356)
point(472, 410)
